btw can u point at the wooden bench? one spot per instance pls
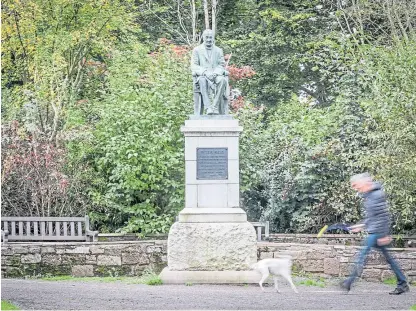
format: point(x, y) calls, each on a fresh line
point(47, 229)
point(258, 226)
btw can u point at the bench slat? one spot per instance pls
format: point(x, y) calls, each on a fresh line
point(42, 228)
point(79, 229)
point(43, 219)
point(72, 228)
point(50, 233)
point(6, 225)
point(21, 228)
point(58, 228)
point(28, 228)
point(35, 226)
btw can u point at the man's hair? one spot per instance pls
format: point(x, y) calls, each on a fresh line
point(206, 31)
point(361, 177)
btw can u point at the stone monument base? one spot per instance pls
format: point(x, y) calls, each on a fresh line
point(209, 277)
point(211, 246)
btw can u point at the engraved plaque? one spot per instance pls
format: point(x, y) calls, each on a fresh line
point(211, 163)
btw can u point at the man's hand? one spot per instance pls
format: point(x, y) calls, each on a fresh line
point(357, 228)
point(209, 75)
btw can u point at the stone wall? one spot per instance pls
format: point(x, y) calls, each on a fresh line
point(130, 258)
point(335, 239)
point(337, 260)
point(82, 259)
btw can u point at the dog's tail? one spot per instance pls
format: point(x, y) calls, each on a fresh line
point(254, 266)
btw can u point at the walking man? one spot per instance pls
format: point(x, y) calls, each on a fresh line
point(377, 224)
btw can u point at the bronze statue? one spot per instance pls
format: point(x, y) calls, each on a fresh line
point(209, 77)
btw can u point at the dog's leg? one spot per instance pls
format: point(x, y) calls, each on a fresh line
point(265, 274)
point(289, 279)
point(275, 283)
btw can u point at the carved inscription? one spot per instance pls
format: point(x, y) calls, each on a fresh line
point(211, 163)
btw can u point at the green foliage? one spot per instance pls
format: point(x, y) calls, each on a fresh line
point(151, 278)
point(138, 150)
point(333, 94)
point(390, 281)
point(5, 305)
point(313, 282)
point(148, 277)
point(280, 40)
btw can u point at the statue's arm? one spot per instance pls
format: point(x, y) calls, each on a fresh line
point(220, 69)
point(195, 67)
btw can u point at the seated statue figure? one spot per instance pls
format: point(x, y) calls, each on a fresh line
point(209, 77)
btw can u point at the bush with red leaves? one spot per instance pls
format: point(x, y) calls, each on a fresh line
point(33, 178)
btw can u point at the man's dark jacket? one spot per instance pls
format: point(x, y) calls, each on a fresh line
point(377, 218)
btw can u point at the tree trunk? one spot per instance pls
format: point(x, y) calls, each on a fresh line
point(206, 12)
point(214, 16)
point(193, 10)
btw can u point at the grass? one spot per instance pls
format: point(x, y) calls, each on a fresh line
point(313, 282)
point(413, 307)
point(5, 305)
point(148, 277)
point(390, 281)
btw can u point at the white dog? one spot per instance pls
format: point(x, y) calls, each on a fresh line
point(275, 266)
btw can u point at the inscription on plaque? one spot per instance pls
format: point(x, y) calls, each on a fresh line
point(211, 163)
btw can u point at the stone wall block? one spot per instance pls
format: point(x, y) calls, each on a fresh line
point(313, 265)
point(7, 250)
point(96, 249)
point(34, 249)
point(82, 271)
point(331, 266)
point(21, 250)
point(31, 258)
point(47, 250)
point(52, 259)
point(345, 269)
point(78, 250)
point(371, 274)
point(73, 259)
point(134, 258)
point(406, 264)
point(14, 260)
point(91, 259)
point(104, 260)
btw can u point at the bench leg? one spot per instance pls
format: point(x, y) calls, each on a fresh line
point(258, 234)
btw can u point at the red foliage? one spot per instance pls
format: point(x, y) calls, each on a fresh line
point(236, 73)
point(32, 172)
point(237, 103)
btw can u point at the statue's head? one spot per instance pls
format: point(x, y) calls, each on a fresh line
point(208, 36)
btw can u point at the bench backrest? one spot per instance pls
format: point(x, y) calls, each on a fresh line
point(46, 228)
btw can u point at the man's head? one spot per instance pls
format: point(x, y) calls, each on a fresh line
point(361, 182)
point(208, 36)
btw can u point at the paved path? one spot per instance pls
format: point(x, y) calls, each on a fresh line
point(65, 295)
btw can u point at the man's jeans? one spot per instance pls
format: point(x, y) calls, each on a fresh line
point(370, 242)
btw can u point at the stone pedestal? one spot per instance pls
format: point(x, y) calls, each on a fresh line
point(212, 242)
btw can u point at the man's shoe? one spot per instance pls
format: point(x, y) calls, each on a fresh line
point(345, 286)
point(400, 290)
